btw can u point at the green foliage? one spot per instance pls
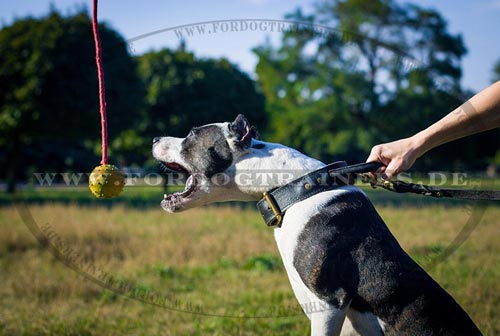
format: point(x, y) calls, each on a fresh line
point(183, 91)
point(384, 71)
point(49, 116)
point(48, 91)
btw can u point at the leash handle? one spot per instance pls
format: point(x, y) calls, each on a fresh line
point(359, 168)
point(373, 166)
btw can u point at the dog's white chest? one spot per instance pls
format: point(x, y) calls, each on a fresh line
point(296, 218)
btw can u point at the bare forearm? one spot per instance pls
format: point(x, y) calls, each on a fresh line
point(479, 114)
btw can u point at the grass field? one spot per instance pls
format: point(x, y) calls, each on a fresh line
point(211, 262)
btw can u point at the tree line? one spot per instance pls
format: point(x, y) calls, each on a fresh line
point(329, 96)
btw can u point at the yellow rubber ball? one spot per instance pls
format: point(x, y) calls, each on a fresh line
point(106, 181)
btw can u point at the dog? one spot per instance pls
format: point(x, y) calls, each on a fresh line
point(348, 272)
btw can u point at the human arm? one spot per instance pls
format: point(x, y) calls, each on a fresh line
point(478, 114)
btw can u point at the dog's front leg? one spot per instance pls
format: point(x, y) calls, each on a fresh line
point(328, 320)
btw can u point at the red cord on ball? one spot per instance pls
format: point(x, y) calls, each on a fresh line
point(102, 91)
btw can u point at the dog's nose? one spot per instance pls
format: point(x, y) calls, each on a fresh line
point(155, 140)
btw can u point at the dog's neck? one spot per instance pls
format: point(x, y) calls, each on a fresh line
point(266, 166)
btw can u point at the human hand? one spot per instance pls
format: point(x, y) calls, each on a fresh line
point(397, 156)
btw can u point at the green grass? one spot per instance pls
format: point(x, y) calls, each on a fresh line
point(210, 261)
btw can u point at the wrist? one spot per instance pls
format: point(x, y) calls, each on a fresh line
point(418, 144)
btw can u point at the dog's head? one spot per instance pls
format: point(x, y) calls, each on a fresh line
point(206, 155)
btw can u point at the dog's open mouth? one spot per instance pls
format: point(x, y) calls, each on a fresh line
point(172, 202)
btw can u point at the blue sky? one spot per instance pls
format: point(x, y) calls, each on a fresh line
point(478, 22)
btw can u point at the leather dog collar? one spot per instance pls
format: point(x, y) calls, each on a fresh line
point(276, 201)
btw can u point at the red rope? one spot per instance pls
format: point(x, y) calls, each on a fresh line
point(100, 76)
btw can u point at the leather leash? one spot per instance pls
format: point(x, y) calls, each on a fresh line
point(275, 202)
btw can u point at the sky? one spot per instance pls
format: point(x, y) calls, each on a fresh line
point(477, 21)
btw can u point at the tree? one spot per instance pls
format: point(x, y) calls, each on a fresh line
point(49, 94)
point(183, 91)
point(307, 100)
point(496, 71)
point(383, 71)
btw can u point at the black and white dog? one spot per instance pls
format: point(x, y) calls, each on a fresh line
point(339, 254)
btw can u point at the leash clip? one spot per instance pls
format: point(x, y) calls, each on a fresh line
point(375, 182)
point(274, 208)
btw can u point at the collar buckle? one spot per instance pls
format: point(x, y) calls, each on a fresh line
point(274, 208)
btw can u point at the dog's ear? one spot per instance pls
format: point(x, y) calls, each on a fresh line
point(243, 132)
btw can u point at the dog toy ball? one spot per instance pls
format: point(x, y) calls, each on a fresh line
point(106, 181)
